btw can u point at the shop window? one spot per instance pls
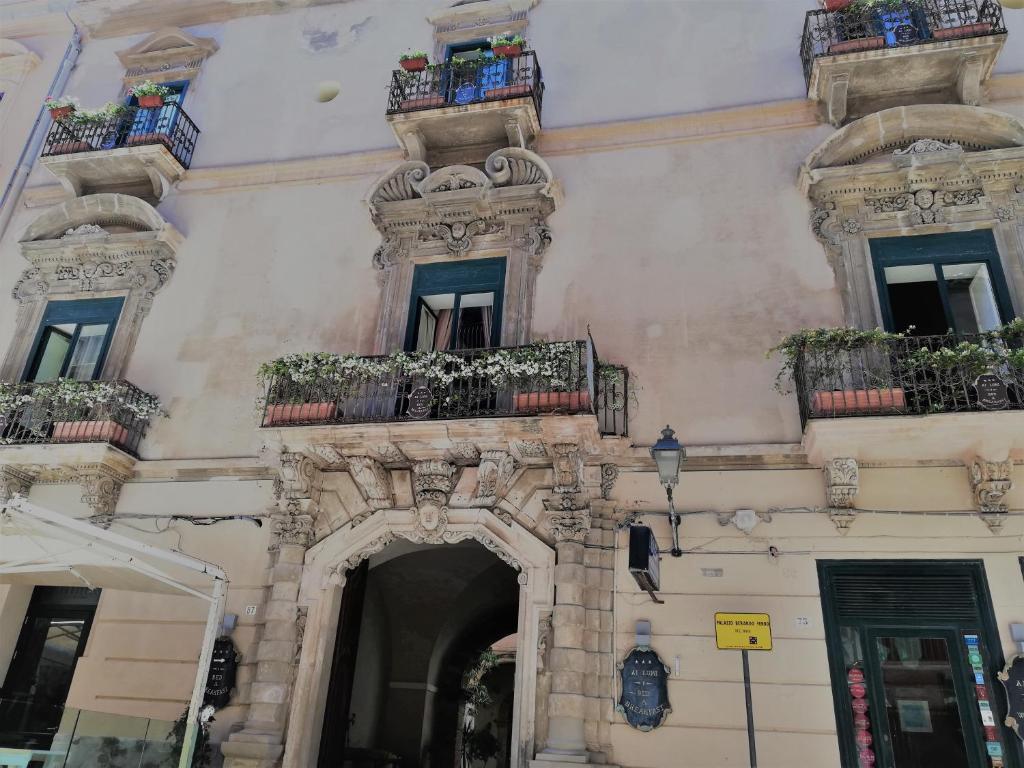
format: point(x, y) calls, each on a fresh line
point(933, 284)
point(914, 652)
point(73, 339)
point(456, 306)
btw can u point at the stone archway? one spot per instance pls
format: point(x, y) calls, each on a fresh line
point(321, 591)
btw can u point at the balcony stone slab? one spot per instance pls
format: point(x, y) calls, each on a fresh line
point(147, 171)
point(946, 438)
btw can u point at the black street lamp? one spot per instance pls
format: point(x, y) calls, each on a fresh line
point(668, 455)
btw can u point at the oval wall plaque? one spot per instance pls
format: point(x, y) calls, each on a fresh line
point(992, 394)
point(1012, 678)
point(644, 700)
point(420, 401)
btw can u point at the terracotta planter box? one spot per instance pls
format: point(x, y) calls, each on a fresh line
point(553, 401)
point(149, 138)
point(968, 30)
point(507, 92)
point(860, 44)
point(507, 50)
point(149, 102)
point(841, 401)
point(288, 413)
point(424, 102)
point(89, 431)
point(835, 5)
point(59, 113)
point(414, 65)
point(70, 147)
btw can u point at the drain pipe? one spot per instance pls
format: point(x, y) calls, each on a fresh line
point(16, 183)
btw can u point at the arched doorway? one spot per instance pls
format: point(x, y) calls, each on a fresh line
point(426, 609)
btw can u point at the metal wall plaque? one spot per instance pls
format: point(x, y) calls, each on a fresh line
point(1012, 678)
point(991, 391)
point(906, 34)
point(420, 401)
point(644, 699)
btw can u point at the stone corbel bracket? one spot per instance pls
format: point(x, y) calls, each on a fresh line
point(745, 520)
point(842, 482)
point(990, 482)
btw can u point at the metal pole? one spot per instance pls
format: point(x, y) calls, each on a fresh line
point(213, 620)
point(673, 518)
point(750, 710)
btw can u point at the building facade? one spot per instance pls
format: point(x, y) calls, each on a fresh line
point(412, 330)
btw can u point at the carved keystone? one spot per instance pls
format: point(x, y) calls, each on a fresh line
point(496, 469)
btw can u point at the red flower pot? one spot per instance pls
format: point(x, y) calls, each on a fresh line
point(508, 91)
point(967, 30)
point(151, 101)
point(845, 401)
point(89, 432)
point(553, 401)
point(835, 5)
point(59, 113)
point(423, 102)
point(299, 413)
point(858, 44)
point(414, 65)
point(507, 50)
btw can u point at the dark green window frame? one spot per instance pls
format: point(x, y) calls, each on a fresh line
point(984, 625)
point(79, 313)
point(475, 276)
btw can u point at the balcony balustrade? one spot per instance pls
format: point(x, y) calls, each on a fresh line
point(890, 56)
point(461, 111)
point(563, 378)
point(912, 375)
point(112, 412)
point(149, 147)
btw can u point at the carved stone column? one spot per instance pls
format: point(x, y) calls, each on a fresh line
point(101, 488)
point(567, 707)
point(261, 742)
point(842, 481)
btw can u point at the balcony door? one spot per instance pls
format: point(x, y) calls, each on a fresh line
point(456, 306)
point(52, 638)
point(73, 339)
point(162, 120)
point(482, 72)
point(930, 285)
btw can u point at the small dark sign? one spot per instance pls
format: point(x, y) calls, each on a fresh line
point(420, 401)
point(644, 562)
point(644, 699)
point(905, 34)
point(221, 677)
point(1012, 678)
point(992, 393)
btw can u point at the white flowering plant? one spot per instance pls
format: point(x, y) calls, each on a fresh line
point(303, 377)
point(70, 399)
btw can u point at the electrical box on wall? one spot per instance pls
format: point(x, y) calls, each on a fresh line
point(644, 560)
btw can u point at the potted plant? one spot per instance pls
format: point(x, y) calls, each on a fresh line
point(819, 360)
point(61, 106)
point(507, 44)
point(149, 94)
point(413, 61)
point(419, 91)
point(297, 389)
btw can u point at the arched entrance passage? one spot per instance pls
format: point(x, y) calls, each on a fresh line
point(385, 537)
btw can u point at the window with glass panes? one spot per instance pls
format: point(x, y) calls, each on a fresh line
point(73, 339)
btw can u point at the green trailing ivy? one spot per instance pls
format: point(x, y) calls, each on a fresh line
point(116, 396)
point(821, 340)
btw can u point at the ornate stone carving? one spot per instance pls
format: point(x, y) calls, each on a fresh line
point(432, 482)
point(301, 614)
point(464, 453)
point(400, 184)
point(514, 166)
point(567, 464)
point(536, 239)
point(927, 146)
point(504, 515)
point(453, 178)
point(13, 482)
point(458, 237)
point(570, 525)
point(496, 469)
point(329, 454)
point(528, 449)
point(375, 546)
point(504, 555)
point(32, 286)
point(609, 474)
point(744, 519)
point(1006, 212)
point(990, 482)
point(824, 226)
point(373, 480)
point(389, 453)
point(925, 206)
point(842, 481)
point(298, 475)
point(101, 488)
point(291, 527)
point(543, 640)
point(83, 230)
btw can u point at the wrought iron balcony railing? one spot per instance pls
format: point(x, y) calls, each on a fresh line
point(829, 33)
point(470, 82)
point(466, 384)
point(132, 127)
point(37, 412)
point(912, 375)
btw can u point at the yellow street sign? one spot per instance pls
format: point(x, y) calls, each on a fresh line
point(743, 631)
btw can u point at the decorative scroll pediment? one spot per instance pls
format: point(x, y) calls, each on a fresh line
point(168, 49)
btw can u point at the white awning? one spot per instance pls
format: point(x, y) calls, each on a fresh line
point(41, 547)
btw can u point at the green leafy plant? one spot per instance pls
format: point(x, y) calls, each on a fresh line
point(59, 102)
point(882, 6)
point(203, 754)
point(828, 343)
point(457, 61)
point(412, 55)
point(67, 394)
point(505, 39)
point(149, 88)
point(968, 358)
